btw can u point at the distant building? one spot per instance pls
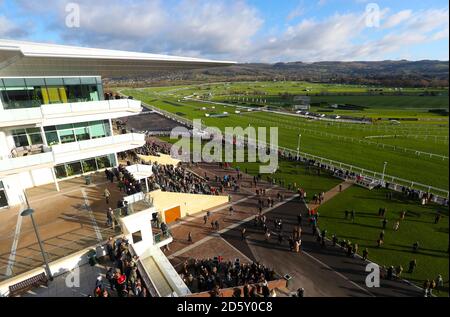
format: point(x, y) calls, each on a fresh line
point(302, 103)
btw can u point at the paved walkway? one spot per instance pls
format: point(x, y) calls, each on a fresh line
point(322, 272)
point(68, 221)
point(244, 202)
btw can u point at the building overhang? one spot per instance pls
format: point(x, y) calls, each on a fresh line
point(36, 59)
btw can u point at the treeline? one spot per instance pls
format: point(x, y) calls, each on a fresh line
point(423, 74)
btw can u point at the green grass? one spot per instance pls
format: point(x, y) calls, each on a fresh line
point(297, 173)
point(429, 136)
point(419, 224)
point(432, 257)
point(292, 173)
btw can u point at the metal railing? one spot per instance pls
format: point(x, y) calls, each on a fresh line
point(96, 143)
point(162, 236)
point(364, 141)
point(443, 193)
point(9, 117)
point(10, 164)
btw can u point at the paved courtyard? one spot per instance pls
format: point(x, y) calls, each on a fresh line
point(321, 272)
point(68, 221)
point(75, 218)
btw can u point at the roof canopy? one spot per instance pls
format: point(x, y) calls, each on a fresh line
point(35, 59)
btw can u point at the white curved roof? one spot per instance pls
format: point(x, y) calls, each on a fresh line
point(19, 58)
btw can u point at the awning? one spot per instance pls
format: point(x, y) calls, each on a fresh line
point(19, 59)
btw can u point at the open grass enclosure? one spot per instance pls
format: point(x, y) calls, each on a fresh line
point(418, 226)
point(414, 150)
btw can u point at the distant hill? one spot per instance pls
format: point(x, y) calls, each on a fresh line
point(424, 73)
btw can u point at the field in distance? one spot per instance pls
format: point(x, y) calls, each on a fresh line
point(415, 150)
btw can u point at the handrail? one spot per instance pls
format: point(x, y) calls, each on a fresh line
point(88, 144)
point(63, 109)
point(352, 168)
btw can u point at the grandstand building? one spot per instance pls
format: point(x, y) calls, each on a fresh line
point(55, 122)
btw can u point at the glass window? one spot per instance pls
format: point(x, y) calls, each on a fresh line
point(21, 140)
point(104, 162)
point(34, 92)
point(136, 237)
point(36, 96)
point(82, 134)
point(89, 92)
point(32, 82)
point(36, 139)
point(54, 94)
point(93, 93)
point(3, 198)
point(19, 131)
point(74, 169)
point(72, 81)
point(89, 166)
point(60, 171)
point(50, 128)
point(67, 136)
point(33, 130)
point(88, 81)
point(54, 81)
point(64, 126)
point(112, 160)
point(14, 82)
point(99, 129)
point(74, 94)
point(100, 91)
point(17, 97)
point(52, 138)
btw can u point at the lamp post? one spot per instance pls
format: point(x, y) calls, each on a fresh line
point(384, 170)
point(29, 212)
point(298, 146)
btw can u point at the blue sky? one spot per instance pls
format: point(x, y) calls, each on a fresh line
point(241, 30)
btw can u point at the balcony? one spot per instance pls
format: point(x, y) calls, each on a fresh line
point(17, 117)
point(97, 147)
point(92, 107)
point(25, 163)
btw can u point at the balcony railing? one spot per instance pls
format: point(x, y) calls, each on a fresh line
point(161, 236)
point(10, 164)
point(98, 143)
point(36, 115)
point(58, 110)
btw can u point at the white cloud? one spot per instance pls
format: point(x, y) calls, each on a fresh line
point(192, 27)
point(396, 19)
point(297, 12)
point(233, 30)
point(9, 29)
point(428, 20)
point(344, 37)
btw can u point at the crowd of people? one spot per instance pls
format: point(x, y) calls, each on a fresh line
point(123, 278)
point(213, 275)
point(177, 179)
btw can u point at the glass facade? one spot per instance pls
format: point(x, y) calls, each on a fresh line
point(17, 93)
point(68, 133)
point(85, 166)
point(27, 137)
point(3, 199)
